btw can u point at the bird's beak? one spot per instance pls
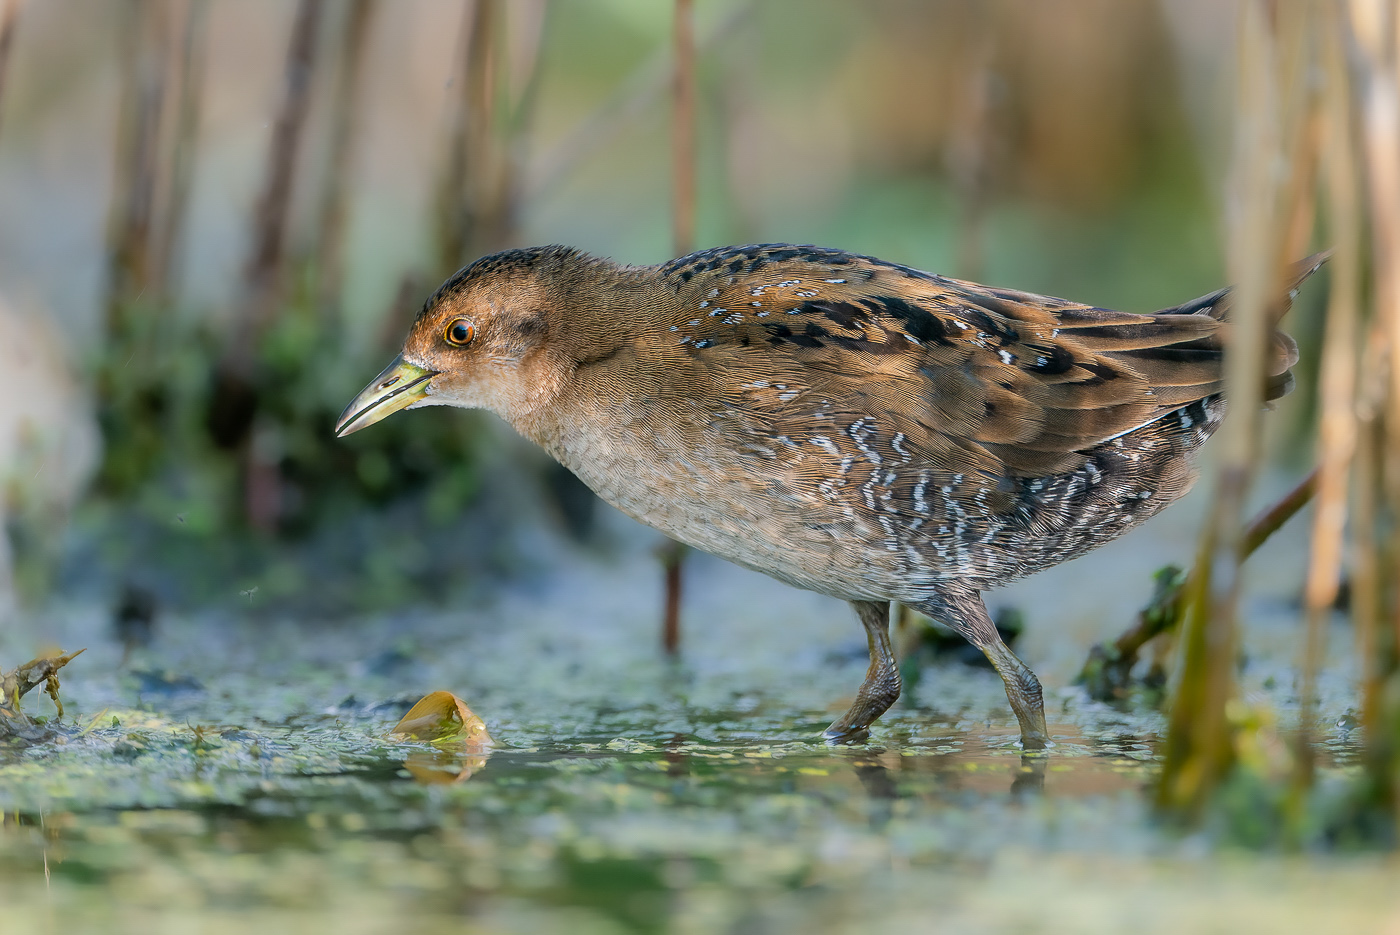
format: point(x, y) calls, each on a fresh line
point(400, 385)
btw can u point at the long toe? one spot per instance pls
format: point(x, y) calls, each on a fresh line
point(836, 734)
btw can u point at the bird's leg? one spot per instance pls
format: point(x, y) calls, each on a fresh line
point(1022, 690)
point(965, 613)
point(881, 686)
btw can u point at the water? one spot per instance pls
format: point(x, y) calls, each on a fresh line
point(244, 778)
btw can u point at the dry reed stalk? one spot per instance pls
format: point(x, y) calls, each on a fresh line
point(1376, 604)
point(682, 242)
point(1383, 158)
point(137, 177)
point(233, 414)
point(263, 271)
point(1382, 121)
point(156, 127)
point(683, 130)
point(450, 191)
point(1336, 437)
point(479, 193)
point(186, 71)
point(638, 92)
point(467, 169)
point(333, 221)
point(969, 147)
point(524, 70)
point(1200, 740)
point(9, 20)
point(480, 156)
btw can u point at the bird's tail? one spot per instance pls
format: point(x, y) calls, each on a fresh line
point(1283, 352)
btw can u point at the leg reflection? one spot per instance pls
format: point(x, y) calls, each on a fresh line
point(1030, 777)
point(880, 785)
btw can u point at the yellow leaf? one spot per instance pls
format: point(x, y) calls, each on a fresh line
point(445, 721)
point(443, 717)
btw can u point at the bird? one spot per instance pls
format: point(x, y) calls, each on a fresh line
point(847, 425)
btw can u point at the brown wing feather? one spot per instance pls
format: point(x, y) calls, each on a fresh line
point(972, 379)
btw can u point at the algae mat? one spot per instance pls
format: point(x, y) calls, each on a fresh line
point(241, 776)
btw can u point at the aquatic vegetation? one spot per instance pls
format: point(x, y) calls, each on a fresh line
point(20, 681)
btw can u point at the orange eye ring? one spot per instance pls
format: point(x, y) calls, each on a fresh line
point(460, 332)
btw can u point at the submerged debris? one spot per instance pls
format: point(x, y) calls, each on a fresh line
point(134, 619)
point(21, 680)
point(1108, 672)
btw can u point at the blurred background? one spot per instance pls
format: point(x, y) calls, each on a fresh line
point(217, 218)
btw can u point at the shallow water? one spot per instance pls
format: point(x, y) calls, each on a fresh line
point(243, 776)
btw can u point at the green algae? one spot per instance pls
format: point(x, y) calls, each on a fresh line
point(242, 774)
point(728, 823)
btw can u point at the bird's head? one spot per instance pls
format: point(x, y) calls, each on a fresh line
point(482, 340)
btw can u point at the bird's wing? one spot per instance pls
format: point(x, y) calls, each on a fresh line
point(804, 342)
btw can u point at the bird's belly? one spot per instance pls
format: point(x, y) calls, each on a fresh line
point(755, 515)
point(876, 532)
point(723, 515)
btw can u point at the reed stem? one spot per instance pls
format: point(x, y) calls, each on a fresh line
point(9, 20)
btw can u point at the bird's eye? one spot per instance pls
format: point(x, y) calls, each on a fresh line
point(460, 332)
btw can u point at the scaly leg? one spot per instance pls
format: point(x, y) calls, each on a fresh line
point(1022, 690)
point(965, 613)
point(881, 686)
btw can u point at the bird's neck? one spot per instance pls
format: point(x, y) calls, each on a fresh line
point(601, 317)
point(605, 308)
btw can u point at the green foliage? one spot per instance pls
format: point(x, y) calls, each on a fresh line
point(184, 444)
point(1108, 672)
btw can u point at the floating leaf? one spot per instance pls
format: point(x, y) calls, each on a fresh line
point(443, 717)
point(445, 721)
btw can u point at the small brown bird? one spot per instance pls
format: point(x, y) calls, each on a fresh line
point(847, 425)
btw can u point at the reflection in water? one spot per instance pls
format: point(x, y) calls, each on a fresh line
point(875, 777)
point(677, 763)
point(460, 741)
point(1030, 778)
point(443, 766)
point(882, 786)
point(637, 833)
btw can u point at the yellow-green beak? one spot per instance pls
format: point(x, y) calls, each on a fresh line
point(400, 385)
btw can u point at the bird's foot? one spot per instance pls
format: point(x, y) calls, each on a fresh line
point(1035, 744)
point(839, 734)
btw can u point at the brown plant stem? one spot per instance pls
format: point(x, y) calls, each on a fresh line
point(1336, 436)
point(682, 242)
point(506, 195)
point(132, 216)
point(1269, 520)
point(333, 223)
point(263, 270)
point(639, 91)
point(9, 20)
point(1199, 748)
point(186, 77)
point(1107, 673)
point(1377, 522)
point(233, 416)
point(672, 555)
point(683, 131)
point(470, 164)
point(969, 158)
